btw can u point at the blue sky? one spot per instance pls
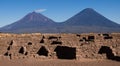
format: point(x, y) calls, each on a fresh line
point(58, 10)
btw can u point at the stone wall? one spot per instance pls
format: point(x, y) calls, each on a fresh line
point(60, 46)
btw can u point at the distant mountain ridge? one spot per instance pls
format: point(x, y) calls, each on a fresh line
point(30, 20)
point(88, 20)
point(89, 17)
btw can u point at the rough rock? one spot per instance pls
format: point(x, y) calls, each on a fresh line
point(60, 46)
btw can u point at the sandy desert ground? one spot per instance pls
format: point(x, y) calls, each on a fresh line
point(36, 62)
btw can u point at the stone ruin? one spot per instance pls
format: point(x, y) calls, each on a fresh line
point(60, 46)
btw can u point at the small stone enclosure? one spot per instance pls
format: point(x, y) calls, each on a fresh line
point(60, 46)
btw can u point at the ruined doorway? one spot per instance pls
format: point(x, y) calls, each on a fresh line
point(64, 52)
point(22, 50)
point(106, 50)
point(43, 51)
point(109, 53)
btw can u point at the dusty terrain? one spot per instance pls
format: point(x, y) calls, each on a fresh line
point(34, 62)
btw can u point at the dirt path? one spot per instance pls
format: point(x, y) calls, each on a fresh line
point(33, 62)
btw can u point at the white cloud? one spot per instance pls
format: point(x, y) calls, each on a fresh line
point(40, 10)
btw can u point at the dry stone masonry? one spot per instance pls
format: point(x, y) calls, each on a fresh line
point(60, 46)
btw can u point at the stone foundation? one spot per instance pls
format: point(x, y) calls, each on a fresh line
point(60, 46)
